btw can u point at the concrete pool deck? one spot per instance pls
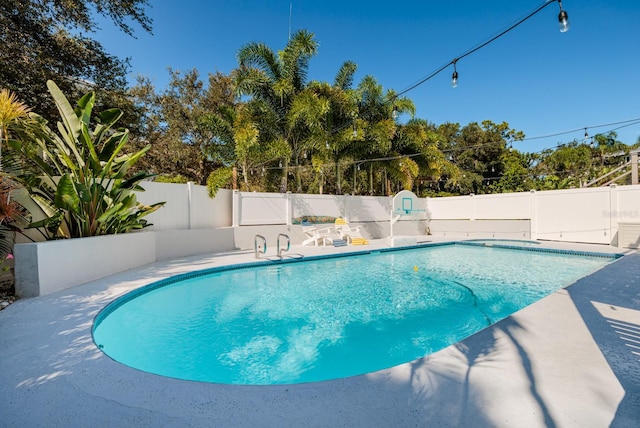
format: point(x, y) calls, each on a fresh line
point(569, 360)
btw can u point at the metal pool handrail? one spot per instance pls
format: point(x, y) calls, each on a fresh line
point(280, 251)
point(259, 248)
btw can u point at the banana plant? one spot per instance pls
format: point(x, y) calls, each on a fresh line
point(78, 177)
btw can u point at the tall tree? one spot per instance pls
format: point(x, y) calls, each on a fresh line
point(276, 84)
point(418, 141)
point(566, 166)
point(478, 151)
point(376, 127)
point(47, 39)
point(189, 125)
point(333, 134)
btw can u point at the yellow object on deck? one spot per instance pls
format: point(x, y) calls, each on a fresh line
point(359, 241)
point(351, 234)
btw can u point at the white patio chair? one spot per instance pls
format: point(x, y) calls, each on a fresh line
point(316, 236)
point(349, 233)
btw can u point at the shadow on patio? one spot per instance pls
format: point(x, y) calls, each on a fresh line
point(610, 307)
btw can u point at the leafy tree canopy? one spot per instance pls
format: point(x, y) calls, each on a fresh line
point(47, 39)
point(188, 125)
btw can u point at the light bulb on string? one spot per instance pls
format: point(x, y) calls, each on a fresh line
point(563, 19)
point(394, 113)
point(454, 76)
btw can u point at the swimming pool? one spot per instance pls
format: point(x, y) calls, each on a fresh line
point(326, 318)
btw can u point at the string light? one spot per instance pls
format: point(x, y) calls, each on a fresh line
point(563, 19)
point(454, 76)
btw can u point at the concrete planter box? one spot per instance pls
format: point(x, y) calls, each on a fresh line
point(46, 267)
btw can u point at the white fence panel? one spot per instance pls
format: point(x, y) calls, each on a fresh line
point(354, 208)
point(574, 215)
point(209, 212)
point(175, 212)
point(450, 208)
point(504, 206)
point(262, 208)
point(368, 208)
point(318, 205)
point(628, 206)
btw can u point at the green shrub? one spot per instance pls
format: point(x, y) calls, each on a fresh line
point(78, 177)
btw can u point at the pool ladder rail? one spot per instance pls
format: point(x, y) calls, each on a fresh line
point(281, 250)
point(260, 246)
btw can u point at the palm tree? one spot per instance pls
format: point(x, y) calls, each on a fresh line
point(333, 129)
point(376, 125)
point(276, 84)
point(419, 140)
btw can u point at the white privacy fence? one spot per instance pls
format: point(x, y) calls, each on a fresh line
point(188, 206)
point(572, 215)
point(283, 208)
point(576, 215)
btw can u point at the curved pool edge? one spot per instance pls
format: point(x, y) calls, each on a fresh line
point(133, 294)
point(263, 262)
point(64, 378)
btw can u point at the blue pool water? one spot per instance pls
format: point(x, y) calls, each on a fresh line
point(327, 318)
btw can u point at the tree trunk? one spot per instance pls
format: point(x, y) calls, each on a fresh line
point(338, 181)
point(285, 176)
point(371, 179)
point(298, 176)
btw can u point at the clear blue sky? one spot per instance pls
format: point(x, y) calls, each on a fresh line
point(535, 78)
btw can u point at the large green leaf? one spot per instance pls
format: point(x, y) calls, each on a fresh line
point(67, 114)
point(85, 107)
point(67, 196)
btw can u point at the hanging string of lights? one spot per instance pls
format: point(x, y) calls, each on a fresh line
point(563, 19)
point(571, 131)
